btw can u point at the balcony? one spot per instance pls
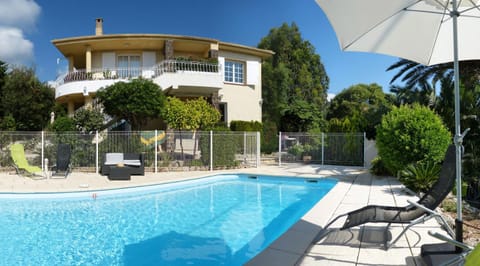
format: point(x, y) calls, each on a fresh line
point(167, 74)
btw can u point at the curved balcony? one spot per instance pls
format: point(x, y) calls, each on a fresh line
point(167, 74)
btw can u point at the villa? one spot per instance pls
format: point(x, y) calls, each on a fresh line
point(228, 75)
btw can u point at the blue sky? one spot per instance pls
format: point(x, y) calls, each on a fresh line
point(27, 28)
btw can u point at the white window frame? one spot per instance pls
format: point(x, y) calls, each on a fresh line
point(235, 78)
point(129, 71)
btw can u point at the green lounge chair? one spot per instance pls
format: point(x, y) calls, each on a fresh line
point(20, 162)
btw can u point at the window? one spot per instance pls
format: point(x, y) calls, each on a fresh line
point(234, 71)
point(223, 112)
point(128, 65)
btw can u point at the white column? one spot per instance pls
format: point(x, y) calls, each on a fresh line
point(88, 59)
point(70, 108)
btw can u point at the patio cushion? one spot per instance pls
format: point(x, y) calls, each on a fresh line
point(132, 162)
point(113, 158)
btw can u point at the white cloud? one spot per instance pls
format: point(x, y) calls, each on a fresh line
point(17, 16)
point(14, 48)
point(330, 96)
point(19, 13)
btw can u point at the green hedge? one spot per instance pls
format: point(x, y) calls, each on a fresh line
point(238, 125)
point(224, 149)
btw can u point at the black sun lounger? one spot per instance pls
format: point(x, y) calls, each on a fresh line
point(415, 213)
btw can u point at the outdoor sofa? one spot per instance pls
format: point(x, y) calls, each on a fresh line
point(132, 163)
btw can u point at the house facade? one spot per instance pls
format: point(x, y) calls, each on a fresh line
point(228, 75)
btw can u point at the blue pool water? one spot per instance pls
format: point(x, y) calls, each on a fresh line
point(219, 220)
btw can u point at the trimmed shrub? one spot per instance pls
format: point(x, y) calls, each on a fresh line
point(409, 135)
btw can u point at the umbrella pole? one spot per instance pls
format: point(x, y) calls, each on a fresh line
point(458, 135)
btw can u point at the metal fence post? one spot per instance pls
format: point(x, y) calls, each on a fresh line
point(211, 150)
point(280, 148)
point(323, 147)
point(96, 151)
point(364, 149)
point(244, 145)
point(43, 145)
point(156, 151)
point(258, 149)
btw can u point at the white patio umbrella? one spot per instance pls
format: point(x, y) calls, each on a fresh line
point(425, 31)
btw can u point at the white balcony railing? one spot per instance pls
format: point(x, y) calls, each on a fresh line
point(166, 66)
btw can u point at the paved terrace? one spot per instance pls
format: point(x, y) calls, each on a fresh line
point(356, 188)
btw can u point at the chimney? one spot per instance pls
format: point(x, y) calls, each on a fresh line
point(99, 26)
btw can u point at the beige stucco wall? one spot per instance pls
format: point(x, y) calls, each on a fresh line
point(244, 101)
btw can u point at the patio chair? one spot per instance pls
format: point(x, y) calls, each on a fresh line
point(22, 167)
point(62, 166)
point(413, 214)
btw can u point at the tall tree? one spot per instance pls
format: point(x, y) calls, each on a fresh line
point(26, 100)
point(360, 108)
point(135, 101)
point(292, 78)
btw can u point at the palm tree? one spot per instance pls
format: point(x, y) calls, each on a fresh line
point(425, 94)
point(413, 73)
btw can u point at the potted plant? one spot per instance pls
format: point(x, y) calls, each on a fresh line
point(307, 153)
point(296, 150)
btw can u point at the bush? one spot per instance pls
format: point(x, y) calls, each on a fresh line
point(8, 123)
point(88, 120)
point(378, 167)
point(409, 135)
point(419, 177)
point(296, 150)
point(63, 124)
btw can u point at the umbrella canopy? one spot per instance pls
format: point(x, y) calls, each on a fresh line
point(425, 31)
point(419, 31)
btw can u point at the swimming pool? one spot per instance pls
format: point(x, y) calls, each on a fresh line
point(218, 220)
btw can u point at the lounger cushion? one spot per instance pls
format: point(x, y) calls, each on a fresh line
point(132, 162)
point(113, 158)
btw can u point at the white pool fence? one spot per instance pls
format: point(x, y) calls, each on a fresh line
point(184, 150)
